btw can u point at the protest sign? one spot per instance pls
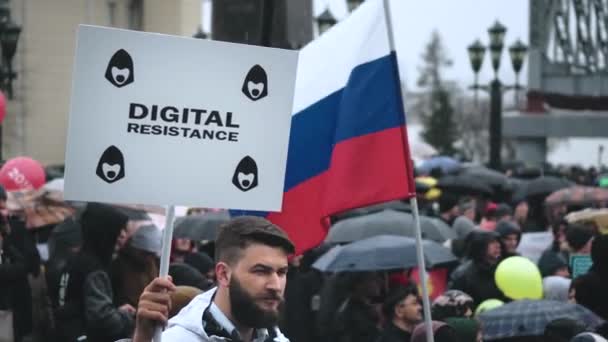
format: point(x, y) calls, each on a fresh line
point(158, 119)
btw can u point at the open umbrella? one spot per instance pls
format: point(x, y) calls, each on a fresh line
point(541, 186)
point(530, 317)
point(464, 184)
point(495, 179)
point(200, 227)
point(578, 195)
point(445, 164)
point(384, 252)
point(388, 222)
point(392, 205)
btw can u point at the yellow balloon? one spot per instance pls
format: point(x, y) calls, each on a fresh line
point(519, 278)
point(487, 305)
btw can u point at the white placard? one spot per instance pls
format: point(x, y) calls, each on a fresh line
point(158, 119)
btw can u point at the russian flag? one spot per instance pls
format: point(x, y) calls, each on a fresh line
point(348, 144)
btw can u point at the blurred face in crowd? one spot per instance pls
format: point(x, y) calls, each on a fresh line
point(183, 245)
point(409, 310)
point(256, 284)
point(563, 272)
point(572, 296)
point(470, 213)
point(560, 237)
point(121, 240)
point(521, 211)
point(510, 242)
point(493, 252)
point(370, 286)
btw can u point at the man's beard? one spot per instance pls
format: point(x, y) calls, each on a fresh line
point(247, 312)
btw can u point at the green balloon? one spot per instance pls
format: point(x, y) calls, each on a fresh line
point(519, 278)
point(487, 305)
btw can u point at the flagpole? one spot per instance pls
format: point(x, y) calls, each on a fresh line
point(413, 201)
point(165, 255)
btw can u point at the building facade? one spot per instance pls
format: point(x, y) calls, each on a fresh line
point(37, 116)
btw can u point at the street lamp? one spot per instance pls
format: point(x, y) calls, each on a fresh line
point(517, 52)
point(9, 36)
point(477, 52)
point(353, 4)
point(326, 20)
point(497, 37)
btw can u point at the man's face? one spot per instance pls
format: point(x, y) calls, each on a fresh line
point(493, 251)
point(510, 242)
point(409, 310)
point(257, 285)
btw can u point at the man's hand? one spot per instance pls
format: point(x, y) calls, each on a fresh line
point(153, 309)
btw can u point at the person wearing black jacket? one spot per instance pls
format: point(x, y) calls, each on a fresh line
point(476, 277)
point(357, 320)
point(591, 287)
point(86, 308)
point(510, 237)
point(403, 312)
point(18, 258)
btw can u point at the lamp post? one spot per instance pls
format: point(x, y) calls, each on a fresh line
point(325, 21)
point(9, 36)
point(496, 88)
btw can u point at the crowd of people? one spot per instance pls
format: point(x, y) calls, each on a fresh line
point(99, 281)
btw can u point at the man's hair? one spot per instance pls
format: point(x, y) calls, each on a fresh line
point(396, 295)
point(578, 235)
point(237, 234)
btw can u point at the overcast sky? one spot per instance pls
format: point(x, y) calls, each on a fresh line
point(458, 22)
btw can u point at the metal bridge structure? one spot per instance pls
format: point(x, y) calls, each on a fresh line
point(567, 92)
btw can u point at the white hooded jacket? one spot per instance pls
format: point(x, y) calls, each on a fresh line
point(187, 326)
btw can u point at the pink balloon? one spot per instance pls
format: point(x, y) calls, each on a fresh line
point(2, 107)
point(22, 173)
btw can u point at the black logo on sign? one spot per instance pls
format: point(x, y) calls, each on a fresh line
point(111, 166)
point(120, 69)
point(246, 174)
point(255, 86)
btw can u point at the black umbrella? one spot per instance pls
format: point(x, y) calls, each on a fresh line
point(389, 222)
point(530, 317)
point(490, 177)
point(384, 252)
point(200, 227)
point(541, 187)
point(464, 184)
point(393, 205)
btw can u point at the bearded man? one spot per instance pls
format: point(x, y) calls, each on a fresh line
point(251, 272)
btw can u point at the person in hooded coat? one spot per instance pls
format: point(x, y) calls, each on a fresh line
point(136, 265)
point(86, 308)
point(591, 288)
point(64, 242)
point(476, 277)
point(510, 236)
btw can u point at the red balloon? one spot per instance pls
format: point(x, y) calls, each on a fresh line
point(22, 173)
point(2, 107)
